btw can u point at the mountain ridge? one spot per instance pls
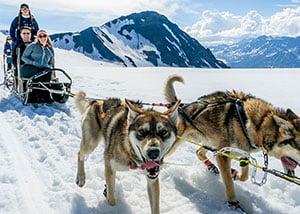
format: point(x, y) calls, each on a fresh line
point(139, 39)
point(261, 52)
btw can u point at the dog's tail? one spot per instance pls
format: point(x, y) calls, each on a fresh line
point(169, 90)
point(80, 102)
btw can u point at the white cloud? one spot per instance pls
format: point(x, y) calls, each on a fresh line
point(218, 27)
point(285, 23)
point(97, 12)
point(100, 7)
point(214, 27)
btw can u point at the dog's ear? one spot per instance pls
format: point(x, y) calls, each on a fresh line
point(294, 119)
point(172, 112)
point(291, 115)
point(284, 127)
point(133, 110)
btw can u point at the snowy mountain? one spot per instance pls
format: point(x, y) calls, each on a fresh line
point(261, 52)
point(5, 32)
point(39, 145)
point(139, 39)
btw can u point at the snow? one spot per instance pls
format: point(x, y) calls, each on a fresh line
point(133, 47)
point(39, 145)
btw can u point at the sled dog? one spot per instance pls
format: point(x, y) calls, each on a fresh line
point(134, 138)
point(232, 119)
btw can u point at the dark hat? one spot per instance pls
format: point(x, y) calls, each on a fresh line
point(24, 5)
point(26, 27)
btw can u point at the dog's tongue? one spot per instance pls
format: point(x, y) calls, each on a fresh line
point(288, 163)
point(149, 164)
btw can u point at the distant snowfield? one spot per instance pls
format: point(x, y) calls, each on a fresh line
point(39, 145)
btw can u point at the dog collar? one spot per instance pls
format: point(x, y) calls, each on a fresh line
point(260, 141)
point(132, 163)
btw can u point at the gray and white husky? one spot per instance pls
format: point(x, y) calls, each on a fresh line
point(134, 138)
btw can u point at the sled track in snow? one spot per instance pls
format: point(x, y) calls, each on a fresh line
point(28, 188)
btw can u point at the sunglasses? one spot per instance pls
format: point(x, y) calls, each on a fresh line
point(25, 33)
point(42, 36)
point(24, 8)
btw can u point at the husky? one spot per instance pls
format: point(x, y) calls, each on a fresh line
point(234, 119)
point(134, 139)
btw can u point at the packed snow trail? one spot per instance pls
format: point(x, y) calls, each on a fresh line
point(24, 177)
point(39, 145)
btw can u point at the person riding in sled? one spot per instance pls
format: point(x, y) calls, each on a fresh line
point(23, 19)
point(21, 45)
point(19, 48)
point(8, 52)
point(38, 56)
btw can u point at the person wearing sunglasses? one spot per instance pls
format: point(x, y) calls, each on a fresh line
point(25, 34)
point(38, 56)
point(23, 19)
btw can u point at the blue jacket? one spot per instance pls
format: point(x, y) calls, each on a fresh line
point(8, 52)
point(7, 49)
point(42, 57)
point(14, 30)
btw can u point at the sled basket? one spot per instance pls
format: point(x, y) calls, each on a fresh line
point(35, 91)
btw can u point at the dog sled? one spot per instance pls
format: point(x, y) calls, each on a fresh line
point(31, 90)
point(34, 89)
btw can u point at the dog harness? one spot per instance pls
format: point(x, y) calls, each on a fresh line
point(239, 107)
point(102, 112)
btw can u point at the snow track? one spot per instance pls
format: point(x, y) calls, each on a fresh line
point(28, 188)
point(39, 145)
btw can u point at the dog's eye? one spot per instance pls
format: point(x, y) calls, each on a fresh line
point(286, 142)
point(163, 133)
point(141, 133)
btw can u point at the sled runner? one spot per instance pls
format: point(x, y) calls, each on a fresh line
point(8, 74)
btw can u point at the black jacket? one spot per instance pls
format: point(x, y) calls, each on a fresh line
point(21, 45)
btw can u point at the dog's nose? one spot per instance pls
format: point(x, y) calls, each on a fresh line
point(153, 153)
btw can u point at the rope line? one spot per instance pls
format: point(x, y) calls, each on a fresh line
point(277, 173)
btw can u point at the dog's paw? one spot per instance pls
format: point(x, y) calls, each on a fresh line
point(290, 172)
point(111, 201)
point(80, 180)
point(212, 168)
point(236, 206)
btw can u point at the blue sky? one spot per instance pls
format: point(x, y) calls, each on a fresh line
point(211, 21)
